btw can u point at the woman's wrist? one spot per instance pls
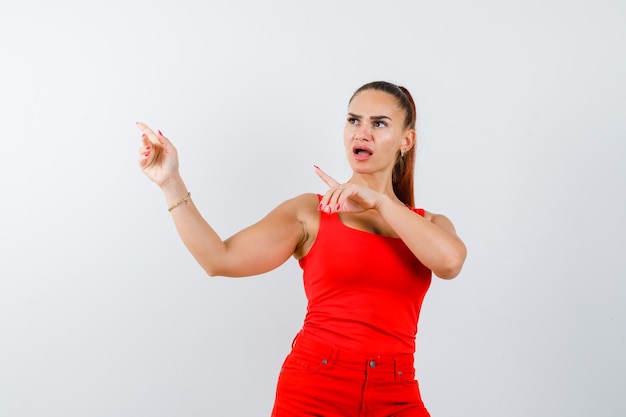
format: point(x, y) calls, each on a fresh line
point(174, 191)
point(381, 200)
point(172, 181)
point(386, 204)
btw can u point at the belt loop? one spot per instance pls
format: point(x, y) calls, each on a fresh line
point(334, 354)
point(293, 342)
point(397, 373)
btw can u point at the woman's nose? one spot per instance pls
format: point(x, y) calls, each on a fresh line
point(363, 132)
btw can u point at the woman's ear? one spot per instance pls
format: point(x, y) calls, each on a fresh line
point(408, 141)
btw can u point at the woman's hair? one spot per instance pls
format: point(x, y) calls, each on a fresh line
point(403, 170)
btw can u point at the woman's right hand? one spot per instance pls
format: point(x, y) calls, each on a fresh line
point(158, 158)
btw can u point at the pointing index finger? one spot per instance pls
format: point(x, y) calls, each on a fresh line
point(330, 181)
point(148, 132)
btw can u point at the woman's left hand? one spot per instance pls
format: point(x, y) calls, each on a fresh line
point(346, 198)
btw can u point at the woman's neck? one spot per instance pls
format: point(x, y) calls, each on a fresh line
point(379, 183)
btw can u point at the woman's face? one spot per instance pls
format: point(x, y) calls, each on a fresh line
point(374, 132)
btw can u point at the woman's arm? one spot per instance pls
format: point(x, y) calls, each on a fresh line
point(432, 238)
point(255, 250)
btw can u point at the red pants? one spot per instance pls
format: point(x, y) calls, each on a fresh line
point(317, 380)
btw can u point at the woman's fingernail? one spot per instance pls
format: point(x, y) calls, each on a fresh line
point(148, 148)
point(146, 154)
point(160, 132)
point(316, 167)
point(338, 206)
point(329, 210)
point(320, 206)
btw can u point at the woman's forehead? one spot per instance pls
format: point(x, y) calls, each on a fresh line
point(373, 102)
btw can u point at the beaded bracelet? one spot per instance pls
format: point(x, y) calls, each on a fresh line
point(184, 200)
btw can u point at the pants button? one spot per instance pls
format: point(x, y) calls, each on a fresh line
point(372, 364)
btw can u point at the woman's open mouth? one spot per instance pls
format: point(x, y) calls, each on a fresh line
point(362, 152)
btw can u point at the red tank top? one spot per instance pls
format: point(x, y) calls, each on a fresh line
point(364, 291)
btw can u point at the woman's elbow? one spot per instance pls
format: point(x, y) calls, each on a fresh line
point(213, 268)
point(451, 267)
point(211, 273)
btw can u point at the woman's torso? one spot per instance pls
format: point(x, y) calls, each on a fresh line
point(364, 286)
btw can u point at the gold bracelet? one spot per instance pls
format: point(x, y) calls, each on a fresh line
point(184, 200)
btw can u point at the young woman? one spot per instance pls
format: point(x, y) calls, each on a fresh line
point(367, 256)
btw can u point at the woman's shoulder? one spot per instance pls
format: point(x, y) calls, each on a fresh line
point(440, 220)
point(302, 207)
point(430, 216)
point(308, 197)
point(304, 201)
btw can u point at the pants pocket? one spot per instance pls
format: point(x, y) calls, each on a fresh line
point(301, 360)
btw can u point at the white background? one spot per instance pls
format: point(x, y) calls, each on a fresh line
point(522, 132)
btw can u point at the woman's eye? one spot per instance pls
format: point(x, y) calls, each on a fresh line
point(379, 123)
point(352, 121)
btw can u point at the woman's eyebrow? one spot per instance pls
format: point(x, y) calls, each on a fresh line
point(358, 116)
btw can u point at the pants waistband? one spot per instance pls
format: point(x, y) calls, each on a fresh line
point(347, 358)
